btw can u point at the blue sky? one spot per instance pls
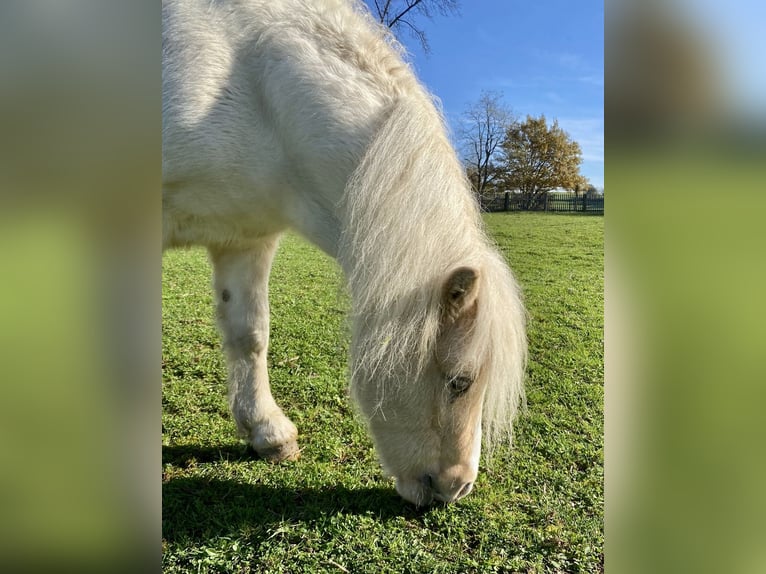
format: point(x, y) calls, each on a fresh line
point(546, 57)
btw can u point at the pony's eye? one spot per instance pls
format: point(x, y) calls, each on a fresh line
point(459, 385)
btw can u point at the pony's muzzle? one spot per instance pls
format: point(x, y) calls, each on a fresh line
point(453, 482)
point(429, 489)
point(452, 493)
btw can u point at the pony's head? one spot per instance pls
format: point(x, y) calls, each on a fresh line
point(436, 369)
point(439, 346)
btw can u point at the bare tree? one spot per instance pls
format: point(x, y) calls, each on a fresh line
point(482, 131)
point(400, 14)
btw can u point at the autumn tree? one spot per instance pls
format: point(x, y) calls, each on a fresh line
point(402, 14)
point(580, 184)
point(538, 158)
point(481, 133)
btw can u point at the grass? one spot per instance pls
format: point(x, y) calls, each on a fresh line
point(537, 508)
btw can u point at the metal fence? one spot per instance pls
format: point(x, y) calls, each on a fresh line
point(554, 202)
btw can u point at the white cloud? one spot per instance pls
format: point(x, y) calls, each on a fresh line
point(589, 133)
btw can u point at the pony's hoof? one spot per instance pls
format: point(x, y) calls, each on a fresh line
point(280, 452)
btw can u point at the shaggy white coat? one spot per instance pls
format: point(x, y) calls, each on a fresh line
point(303, 114)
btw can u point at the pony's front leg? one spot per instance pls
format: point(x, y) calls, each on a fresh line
point(242, 299)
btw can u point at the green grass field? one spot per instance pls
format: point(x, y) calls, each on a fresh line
point(536, 507)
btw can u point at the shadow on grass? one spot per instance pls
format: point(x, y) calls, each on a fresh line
point(196, 509)
point(183, 455)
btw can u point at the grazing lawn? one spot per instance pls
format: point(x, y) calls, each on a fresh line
point(536, 507)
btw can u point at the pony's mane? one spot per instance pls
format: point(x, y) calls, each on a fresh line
point(347, 30)
point(410, 219)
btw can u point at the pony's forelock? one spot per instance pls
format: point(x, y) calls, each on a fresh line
point(500, 335)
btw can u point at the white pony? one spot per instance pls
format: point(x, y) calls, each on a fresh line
point(302, 114)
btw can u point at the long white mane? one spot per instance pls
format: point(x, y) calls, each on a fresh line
point(411, 219)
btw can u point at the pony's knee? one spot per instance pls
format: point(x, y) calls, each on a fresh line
point(247, 344)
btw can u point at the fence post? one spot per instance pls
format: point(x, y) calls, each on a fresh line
point(507, 203)
point(585, 202)
point(546, 200)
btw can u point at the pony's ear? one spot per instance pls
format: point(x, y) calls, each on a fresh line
point(460, 292)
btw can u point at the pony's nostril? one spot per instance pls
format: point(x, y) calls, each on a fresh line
point(465, 490)
point(449, 495)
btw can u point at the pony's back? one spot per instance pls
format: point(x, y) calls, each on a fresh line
point(271, 105)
